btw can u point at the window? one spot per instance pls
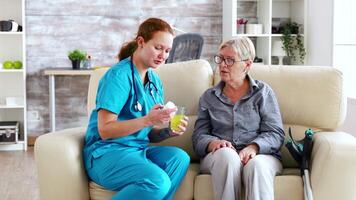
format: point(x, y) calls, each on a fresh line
point(344, 46)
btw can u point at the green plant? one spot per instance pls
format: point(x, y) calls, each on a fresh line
point(293, 43)
point(77, 55)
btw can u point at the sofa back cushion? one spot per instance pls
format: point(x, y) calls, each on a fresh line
point(308, 97)
point(185, 82)
point(93, 87)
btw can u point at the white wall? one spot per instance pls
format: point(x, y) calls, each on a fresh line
point(319, 32)
point(344, 53)
point(320, 42)
point(349, 125)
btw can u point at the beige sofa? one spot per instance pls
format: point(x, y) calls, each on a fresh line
point(308, 97)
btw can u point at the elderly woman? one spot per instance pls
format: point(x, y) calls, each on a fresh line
point(239, 132)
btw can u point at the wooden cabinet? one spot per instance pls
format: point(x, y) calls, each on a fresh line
point(13, 81)
point(265, 17)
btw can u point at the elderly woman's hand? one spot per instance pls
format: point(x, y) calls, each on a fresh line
point(217, 144)
point(248, 153)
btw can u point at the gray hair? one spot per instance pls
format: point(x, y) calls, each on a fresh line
point(241, 45)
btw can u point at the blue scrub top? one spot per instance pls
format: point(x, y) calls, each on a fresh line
point(116, 94)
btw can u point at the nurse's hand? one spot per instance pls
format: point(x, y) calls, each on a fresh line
point(182, 127)
point(158, 116)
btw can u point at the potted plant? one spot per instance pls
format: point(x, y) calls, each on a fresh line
point(293, 43)
point(76, 56)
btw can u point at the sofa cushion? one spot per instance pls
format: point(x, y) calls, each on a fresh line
point(184, 192)
point(99, 193)
point(203, 187)
point(186, 189)
point(288, 187)
point(93, 87)
point(285, 186)
point(183, 88)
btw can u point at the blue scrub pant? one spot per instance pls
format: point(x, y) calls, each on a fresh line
point(151, 173)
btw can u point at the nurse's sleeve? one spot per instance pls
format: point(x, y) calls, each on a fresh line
point(113, 92)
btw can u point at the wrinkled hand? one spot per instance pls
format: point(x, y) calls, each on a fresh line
point(217, 144)
point(182, 126)
point(248, 153)
point(157, 116)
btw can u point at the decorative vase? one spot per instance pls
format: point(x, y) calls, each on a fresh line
point(240, 29)
point(76, 64)
point(287, 60)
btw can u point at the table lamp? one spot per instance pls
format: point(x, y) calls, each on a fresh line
point(278, 51)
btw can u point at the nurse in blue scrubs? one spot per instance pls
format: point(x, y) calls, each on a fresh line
point(128, 110)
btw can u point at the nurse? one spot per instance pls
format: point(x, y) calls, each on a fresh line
point(128, 110)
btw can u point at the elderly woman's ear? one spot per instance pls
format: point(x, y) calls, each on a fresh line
point(248, 65)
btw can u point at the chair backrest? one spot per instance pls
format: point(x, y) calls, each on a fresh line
point(185, 47)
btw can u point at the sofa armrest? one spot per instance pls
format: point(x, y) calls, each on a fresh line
point(333, 166)
point(60, 168)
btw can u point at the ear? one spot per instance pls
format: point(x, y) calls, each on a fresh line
point(140, 41)
point(248, 65)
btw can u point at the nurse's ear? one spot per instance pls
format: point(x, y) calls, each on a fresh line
point(140, 41)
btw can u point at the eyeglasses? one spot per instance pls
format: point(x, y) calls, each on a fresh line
point(228, 61)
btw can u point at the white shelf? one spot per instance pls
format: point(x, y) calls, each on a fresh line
point(10, 33)
point(18, 142)
point(8, 107)
point(20, 145)
point(284, 0)
point(11, 70)
point(280, 35)
point(263, 35)
point(251, 35)
point(13, 81)
point(269, 13)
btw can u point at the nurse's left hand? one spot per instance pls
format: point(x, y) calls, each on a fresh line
point(182, 127)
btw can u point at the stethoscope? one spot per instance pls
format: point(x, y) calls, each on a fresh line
point(138, 105)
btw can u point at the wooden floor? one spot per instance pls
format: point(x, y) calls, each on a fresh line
point(18, 177)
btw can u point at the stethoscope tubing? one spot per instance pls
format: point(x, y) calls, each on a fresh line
point(138, 106)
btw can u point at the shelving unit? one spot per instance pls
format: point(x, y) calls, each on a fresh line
point(13, 82)
point(269, 13)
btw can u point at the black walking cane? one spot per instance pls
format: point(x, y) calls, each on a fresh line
point(301, 150)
